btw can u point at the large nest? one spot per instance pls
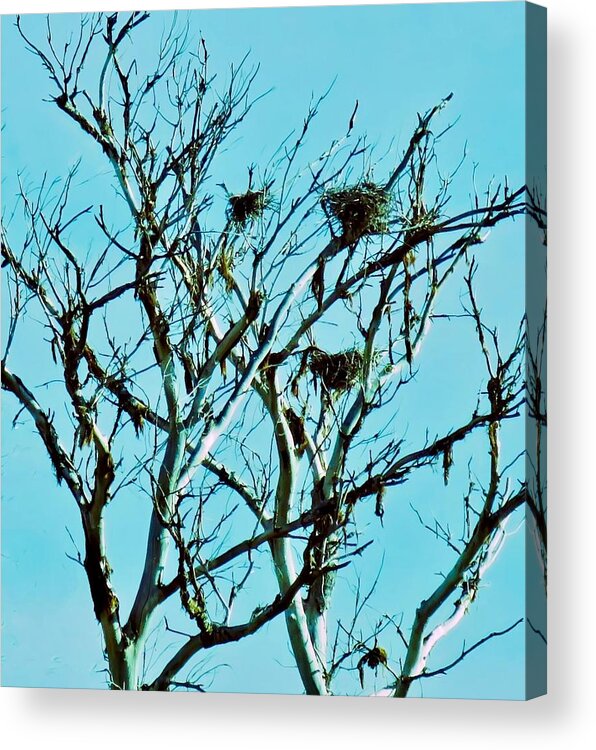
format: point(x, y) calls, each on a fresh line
point(338, 372)
point(361, 209)
point(247, 206)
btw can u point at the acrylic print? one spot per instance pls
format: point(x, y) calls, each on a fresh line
point(273, 346)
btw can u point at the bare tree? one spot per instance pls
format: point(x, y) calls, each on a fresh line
point(259, 444)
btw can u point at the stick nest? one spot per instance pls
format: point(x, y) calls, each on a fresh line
point(360, 209)
point(338, 372)
point(247, 206)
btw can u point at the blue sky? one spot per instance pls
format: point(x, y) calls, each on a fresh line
point(397, 61)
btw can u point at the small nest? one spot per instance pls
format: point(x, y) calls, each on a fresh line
point(338, 372)
point(361, 209)
point(247, 206)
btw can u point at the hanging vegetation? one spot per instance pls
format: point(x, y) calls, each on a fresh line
point(226, 261)
point(447, 462)
point(361, 209)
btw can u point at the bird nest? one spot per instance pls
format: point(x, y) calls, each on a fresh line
point(338, 372)
point(360, 209)
point(247, 206)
